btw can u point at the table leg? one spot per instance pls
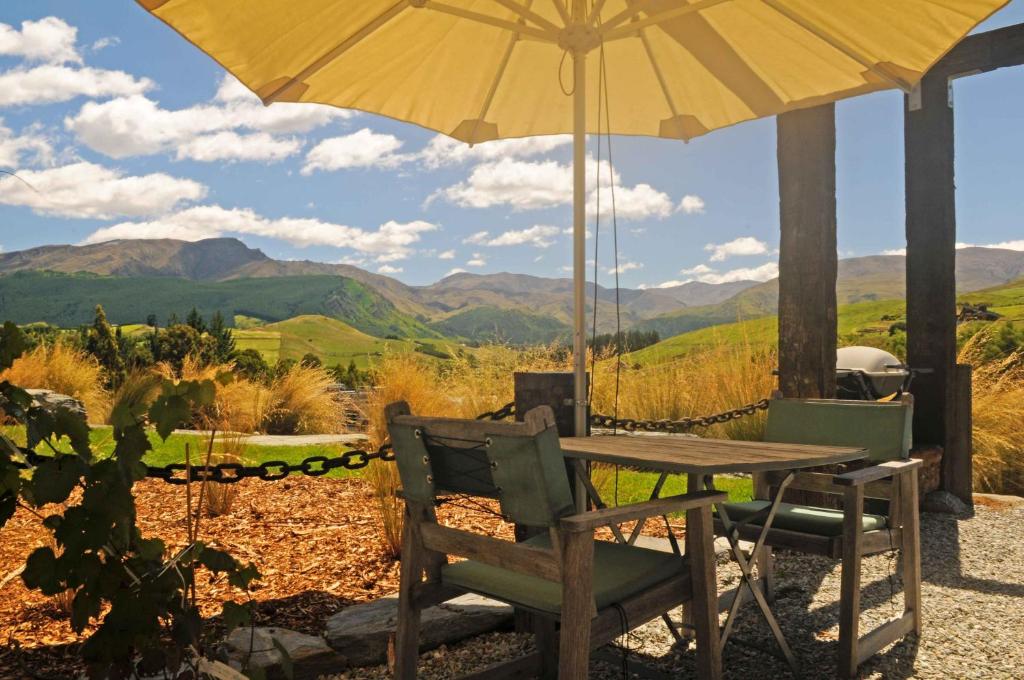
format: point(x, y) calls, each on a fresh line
point(746, 577)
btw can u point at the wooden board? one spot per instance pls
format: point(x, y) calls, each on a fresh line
point(704, 456)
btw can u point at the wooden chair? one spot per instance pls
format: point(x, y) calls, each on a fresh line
point(850, 533)
point(580, 590)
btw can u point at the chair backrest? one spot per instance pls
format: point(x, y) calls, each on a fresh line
point(520, 464)
point(884, 428)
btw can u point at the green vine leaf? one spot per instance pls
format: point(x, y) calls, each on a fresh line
point(41, 571)
point(12, 344)
point(236, 615)
point(54, 479)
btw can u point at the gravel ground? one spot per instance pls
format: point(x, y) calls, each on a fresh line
point(973, 595)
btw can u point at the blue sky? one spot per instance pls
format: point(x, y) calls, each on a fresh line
point(126, 130)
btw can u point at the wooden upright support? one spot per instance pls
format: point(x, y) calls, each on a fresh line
point(808, 260)
point(931, 278)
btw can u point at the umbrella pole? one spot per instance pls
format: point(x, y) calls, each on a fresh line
point(579, 232)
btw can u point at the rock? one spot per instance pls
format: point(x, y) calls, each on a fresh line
point(52, 401)
point(944, 501)
point(310, 655)
point(361, 632)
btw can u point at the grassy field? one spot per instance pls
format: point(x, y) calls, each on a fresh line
point(335, 342)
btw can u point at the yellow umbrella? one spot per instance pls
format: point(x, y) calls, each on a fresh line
point(479, 70)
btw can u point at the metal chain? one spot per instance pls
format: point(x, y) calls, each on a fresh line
point(271, 470)
point(677, 426)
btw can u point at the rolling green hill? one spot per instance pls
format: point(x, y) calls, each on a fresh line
point(69, 300)
point(493, 324)
point(864, 323)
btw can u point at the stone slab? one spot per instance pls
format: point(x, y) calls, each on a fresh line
point(310, 656)
point(361, 632)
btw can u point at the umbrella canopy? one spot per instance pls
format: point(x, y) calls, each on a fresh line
point(479, 70)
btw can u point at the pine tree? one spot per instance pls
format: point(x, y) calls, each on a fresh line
point(196, 321)
point(224, 338)
point(102, 343)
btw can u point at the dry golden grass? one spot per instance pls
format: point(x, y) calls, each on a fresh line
point(228, 448)
point(66, 370)
point(301, 402)
point(704, 382)
point(998, 415)
point(139, 387)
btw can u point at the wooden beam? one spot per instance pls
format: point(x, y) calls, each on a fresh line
point(931, 257)
point(982, 52)
point(808, 260)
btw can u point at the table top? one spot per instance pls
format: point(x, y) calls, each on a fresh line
point(692, 455)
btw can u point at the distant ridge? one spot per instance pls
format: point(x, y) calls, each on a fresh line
point(479, 307)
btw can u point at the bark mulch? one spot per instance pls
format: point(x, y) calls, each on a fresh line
point(316, 542)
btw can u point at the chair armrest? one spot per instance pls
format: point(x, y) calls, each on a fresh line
point(876, 472)
point(588, 521)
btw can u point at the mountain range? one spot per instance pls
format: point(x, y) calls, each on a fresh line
point(61, 284)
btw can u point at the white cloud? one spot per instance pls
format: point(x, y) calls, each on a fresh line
point(745, 245)
point(691, 205)
point(136, 125)
point(52, 83)
point(625, 267)
point(478, 238)
point(50, 40)
point(105, 42)
point(30, 144)
point(453, 272)
point(446, 255)
point(478, 260)
point(362, 149)
point(231, 146)
point(895, 251)
point(532, 185)
point(443, 150)
point(705, 274)
point(1004, 245)
point(388, 269)
point(87, 190)
point(539, 236)
point(391, 241)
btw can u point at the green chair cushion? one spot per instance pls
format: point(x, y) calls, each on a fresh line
point(620, 571)
point(803, 518)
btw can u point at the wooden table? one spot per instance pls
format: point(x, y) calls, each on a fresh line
point(701, 459)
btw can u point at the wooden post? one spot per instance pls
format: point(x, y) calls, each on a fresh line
point(958, 467)
point(808, 261)
point(554, 389)
point(931, 270)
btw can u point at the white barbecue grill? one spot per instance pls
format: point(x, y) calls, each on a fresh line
point(869, 373)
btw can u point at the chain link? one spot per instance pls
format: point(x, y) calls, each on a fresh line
point(357, 459)
point(676, 426)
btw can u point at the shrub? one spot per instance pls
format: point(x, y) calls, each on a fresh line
point(301, 402)
point(138, 388)
point(62, 368)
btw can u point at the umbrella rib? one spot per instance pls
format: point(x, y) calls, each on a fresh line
point(658, 73)
point(497, 81)
point(838, 44)
point(529, 15)
point(490, 20)
point(614, 31)
point(595, 13)
point(342, 47)
point(562, 12)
